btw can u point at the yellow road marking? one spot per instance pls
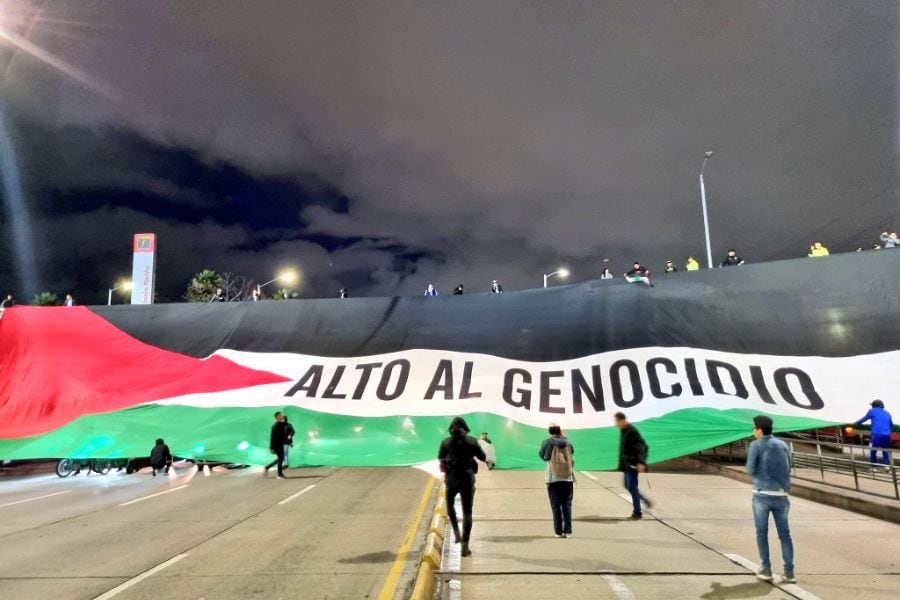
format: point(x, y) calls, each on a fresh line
point(393, 578)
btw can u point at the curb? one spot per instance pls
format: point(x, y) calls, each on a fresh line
point(424, 586)
point(869, 508)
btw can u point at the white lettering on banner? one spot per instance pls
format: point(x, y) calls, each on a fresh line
point(578, 393)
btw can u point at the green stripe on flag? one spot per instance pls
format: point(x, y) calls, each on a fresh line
point(242, 435)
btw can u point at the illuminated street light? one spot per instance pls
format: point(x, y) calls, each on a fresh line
point(125, 285)
point(563, 273)
point(286, 277)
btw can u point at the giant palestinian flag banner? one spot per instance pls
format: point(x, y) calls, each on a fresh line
point(376, 381)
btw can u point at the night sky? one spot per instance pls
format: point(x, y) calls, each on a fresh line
point(383, 146)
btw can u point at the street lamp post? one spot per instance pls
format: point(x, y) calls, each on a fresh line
point(287, 277)
point(124, 285)
point(706, 156)
point(561, 272)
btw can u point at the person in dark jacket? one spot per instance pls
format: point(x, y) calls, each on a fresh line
point(8, 302)
point(732, 259)
point(882, 426)
point(496, 288)
point(560, 486)
point(278, 438)
point(632, 460)
point(670, 267)
point(219, 296)
point(160, 457)
point(457, 455)
point(638, 274)
point(458, 290)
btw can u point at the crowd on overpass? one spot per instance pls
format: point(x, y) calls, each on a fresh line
point(639, 273)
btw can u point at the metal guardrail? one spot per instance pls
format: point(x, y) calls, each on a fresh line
point(845, 459)
point(824, 456)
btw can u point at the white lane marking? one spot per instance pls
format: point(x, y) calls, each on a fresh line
point(792, 588)
point(300, 493)
point(35, 498)
point(135, 580)
point(174, 489)
point(589, 476)
point(618, 587)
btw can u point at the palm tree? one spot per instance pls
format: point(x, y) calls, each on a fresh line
point(45, 299)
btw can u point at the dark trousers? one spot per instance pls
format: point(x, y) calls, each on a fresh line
point(279, 460)
point(631, 484)
point(561, 493)
point(464, 485)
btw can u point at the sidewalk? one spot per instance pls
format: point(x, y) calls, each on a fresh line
point(697, 542)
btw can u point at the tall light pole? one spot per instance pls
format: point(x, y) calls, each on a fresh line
point(125, 285)
point(286, 277)
point(561, 272)
point(706, 156)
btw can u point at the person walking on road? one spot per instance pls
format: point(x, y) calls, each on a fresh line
point(559, 476)
point(278, 439)
point(882, 426)
point(490, 453)
point(632, 460)
point(457, 456)
point(769, 464)
point(160, 457)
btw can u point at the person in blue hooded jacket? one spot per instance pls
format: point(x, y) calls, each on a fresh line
point(882, 425)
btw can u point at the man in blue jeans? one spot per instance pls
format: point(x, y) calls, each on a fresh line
point(882, 426)
point(632, 460)
point(769, 463)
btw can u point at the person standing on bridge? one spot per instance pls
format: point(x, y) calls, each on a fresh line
point(457, 456)
point(559, 454)
point(769, 464)
point(882, 426)
point(278, 439)
point(632, 460)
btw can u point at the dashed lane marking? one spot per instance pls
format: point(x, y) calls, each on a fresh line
point(298, 494)
point(35, 498)
point(135, 580)
point(792, 588)
point(618, 587)
point(174, 489)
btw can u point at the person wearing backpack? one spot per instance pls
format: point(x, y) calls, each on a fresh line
point(632, 460)
point(559, 475)
point(457, 456)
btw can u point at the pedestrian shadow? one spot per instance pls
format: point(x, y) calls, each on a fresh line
point(599, 519)
point(373, 557)
point(756, 589)
point(502, 539)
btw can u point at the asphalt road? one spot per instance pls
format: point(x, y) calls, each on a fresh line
point(322, 533)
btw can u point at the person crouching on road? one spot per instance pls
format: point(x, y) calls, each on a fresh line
point(457, 456)
point(160, 457)
point(278, 439)
point(769, 463)
point(559, 475)
point(632, 460)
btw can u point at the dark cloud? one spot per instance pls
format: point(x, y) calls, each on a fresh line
point(395, 144)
